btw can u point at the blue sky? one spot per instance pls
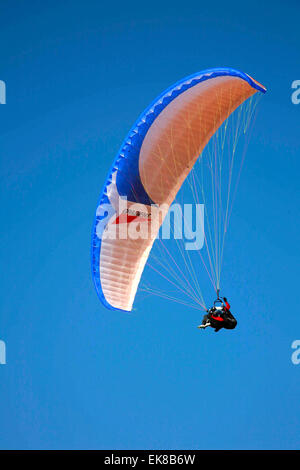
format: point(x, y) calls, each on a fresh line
point(77, 375)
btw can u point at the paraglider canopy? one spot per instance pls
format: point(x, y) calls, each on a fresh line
point(152, 164)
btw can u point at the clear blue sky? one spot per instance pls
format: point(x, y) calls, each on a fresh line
point(78, 73)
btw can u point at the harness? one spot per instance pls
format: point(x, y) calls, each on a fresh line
point(219, 308)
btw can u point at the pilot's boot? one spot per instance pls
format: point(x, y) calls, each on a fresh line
point(205, 322)
point(205, 325)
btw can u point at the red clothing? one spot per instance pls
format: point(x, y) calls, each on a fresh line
point(227, 306)
point(217, 318)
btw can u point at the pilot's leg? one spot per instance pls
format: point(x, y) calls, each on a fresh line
point(230, 322)
point(205, 322)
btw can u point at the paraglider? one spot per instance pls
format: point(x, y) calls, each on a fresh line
point(153, 162)
point(219, 316)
